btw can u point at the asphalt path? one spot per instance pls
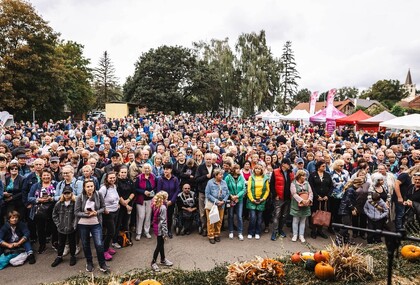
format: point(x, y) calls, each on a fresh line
point(186, 252)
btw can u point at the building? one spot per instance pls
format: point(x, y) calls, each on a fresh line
point(346, 106)
point(410, 87)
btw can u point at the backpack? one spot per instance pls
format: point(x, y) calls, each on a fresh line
point(124, 239)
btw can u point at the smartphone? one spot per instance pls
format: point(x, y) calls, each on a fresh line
point(89, 209)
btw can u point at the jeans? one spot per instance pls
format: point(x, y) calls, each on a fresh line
point(255, 221)
point(62, 238)
point(281, 210)
point(236, 210)
point(399, 216)
point(298, 226)
point(109, 225)
point(96, 231)
point(144, 216)
point(160, 248)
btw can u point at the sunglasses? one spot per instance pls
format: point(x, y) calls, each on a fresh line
point(14, 168)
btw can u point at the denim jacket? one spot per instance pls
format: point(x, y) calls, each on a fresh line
point(215, 193)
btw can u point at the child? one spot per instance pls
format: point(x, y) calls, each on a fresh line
point(13, 236)
point(377, 213)
point(160, 228)
point(65, 220)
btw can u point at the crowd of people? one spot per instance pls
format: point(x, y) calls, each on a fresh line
point(64, 183)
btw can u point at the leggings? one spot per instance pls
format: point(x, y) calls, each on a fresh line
point(160, 248)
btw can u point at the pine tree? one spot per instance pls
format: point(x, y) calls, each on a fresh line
point(288, 78)
point(105, 82)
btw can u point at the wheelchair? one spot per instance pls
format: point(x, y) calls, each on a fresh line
point(186, 221)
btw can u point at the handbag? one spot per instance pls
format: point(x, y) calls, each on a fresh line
point(214, 214)
point(321, 217)
point(41, 210)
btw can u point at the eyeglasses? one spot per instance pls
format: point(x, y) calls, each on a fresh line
point(14, 168)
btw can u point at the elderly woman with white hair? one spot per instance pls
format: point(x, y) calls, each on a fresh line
point(339, 176)
point(145, 187)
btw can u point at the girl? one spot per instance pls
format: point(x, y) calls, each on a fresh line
point(64, 218)
point(300, 206)
point(160, 229)
point(377, 213)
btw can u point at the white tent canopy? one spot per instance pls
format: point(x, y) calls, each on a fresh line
point(382, 117)
point(263, 114)
point(409, 122)
point(6, 119)
point(297, 115)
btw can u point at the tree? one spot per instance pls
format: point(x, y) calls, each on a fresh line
point(398, 111)
point(105, 82)
point(29, 80)
point(346, 92)
point(302, 96)
point(382, 90)
point(288, 79)
point(163, 79)
point(259, 72)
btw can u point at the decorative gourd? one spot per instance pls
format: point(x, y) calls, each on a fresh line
point(324, 271)
point(296, 257)
point(150, 282)
point(307, 255)
point(310, 264)
point(321, 255)
point(410, 252)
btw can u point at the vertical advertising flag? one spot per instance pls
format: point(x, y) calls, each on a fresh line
point(312, 102)
point(330, 103)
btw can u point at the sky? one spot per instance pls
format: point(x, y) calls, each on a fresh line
point(336, 43)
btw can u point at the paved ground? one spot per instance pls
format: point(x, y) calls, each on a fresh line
point(187, 252)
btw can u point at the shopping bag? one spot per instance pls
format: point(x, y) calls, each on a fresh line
point(321, 217)
point(214, 214)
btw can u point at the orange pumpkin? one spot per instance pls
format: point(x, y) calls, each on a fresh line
point(150, 282)
point(296, 257)
point(321, 255)
point(324, 271)
point(410, 252)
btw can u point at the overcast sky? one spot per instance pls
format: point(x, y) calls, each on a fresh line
point(336, 43)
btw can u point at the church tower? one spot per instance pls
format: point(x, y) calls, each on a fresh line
point(410, 87)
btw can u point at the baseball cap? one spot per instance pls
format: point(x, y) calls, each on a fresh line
point(67, 189)
point(54, 159)
point(299, 160)
point(22, 156)
point(61, 148)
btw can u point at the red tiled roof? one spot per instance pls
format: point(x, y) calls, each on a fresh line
point(321, 105)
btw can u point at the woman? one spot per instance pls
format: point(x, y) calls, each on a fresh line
point(157, 168)
point(268, 161)
point(145, 186)
point(360, 219)
point(90, 206)
point(378, 187)
point(64, 219)
point(236, 185)
point(300, 205)
point(13, 190)
point(340, 176)
point(257, 193)
point(321, 185)
point(216, 193)
point(160, 229)
point(125, 188)
point(198, 157)
point(110, 216)
point(188, 174)
point(275, 161)
point(246, 171)
point(41, 203)
point(87, 174)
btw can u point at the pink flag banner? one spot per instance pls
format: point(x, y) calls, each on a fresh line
point(312, 103)
point(330, 103)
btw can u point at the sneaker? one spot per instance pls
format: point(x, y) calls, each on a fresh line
point(111, 251)
point(155, 267)
point(66, 250)
point(294, 238)
point(77, 250)
point(57, 261)
point(116, 245)
point(31, 258)
point(249, 236)
point(107, 256)
point(104, 268)
point(274, 236)
point(89, 267)
point(231, 235)
point(282, 234)
point(166, 262)
point(138, 237)
point(241, 237)
point(73, 260)
point(257, 236)
point(302, 239)
point(148, 235)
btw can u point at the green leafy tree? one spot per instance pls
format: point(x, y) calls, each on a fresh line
point(259, 72)
point(288, 80)
point(105, 82)
point(382, 90)
point(29, 80)
point(163, 79)
point(346, 92)
point(302, 96)
point(398, 111)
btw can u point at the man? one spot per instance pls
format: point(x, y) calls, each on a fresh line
point(311, 165)
point(114, 165)
point(300, 163)
point(187, 206)
point(280, 182)
point(24, 169)
point(135, 167)
point(402, 184)
point(179, 164)
point(55, 168)
point(348, 162)
point(203, 174)
point(300, 149)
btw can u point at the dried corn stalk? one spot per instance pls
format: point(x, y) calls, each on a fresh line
point(349, 264)
point(260, 271)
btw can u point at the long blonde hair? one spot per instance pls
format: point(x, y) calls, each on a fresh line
point(159, 199)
